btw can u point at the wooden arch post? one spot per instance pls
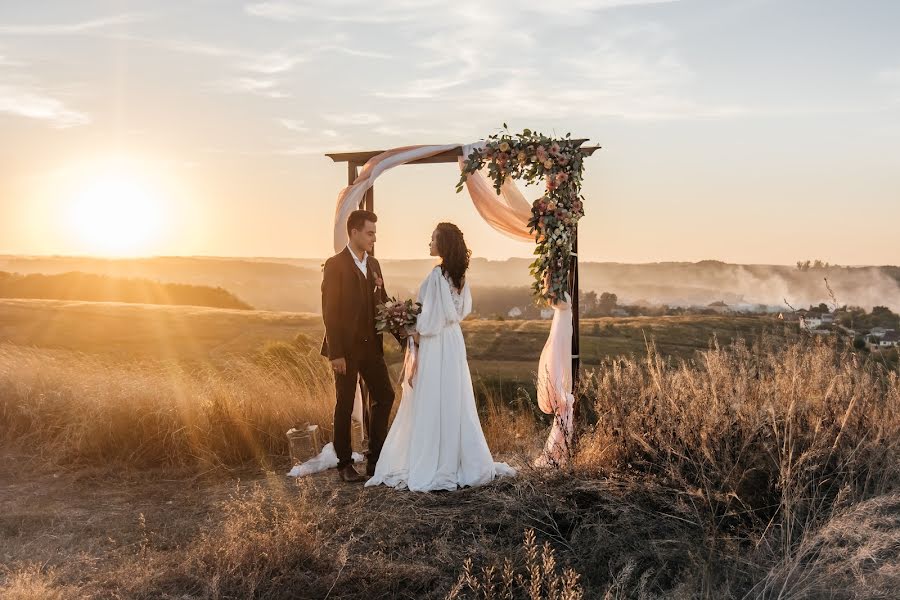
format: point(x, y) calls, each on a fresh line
point(355, 160)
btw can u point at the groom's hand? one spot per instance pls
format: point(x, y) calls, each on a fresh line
point(339, 365)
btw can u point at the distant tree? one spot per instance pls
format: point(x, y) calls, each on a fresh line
point(607, 303)
point(587, 302)
point(849, 315)
point(881, 316)
point(884, 317)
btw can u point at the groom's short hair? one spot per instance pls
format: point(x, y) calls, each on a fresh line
point(358, 218)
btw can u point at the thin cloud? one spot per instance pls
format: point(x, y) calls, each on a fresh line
point(582, 7)
point(293, 125)
point(319, 149)
point(8, 62)
point(272, 63)
point(33, 104)
point(354, 52)
point(423, 88)
point(193, 47)
point(326, 11)
point(78, 28)
point(353, 119)
point(418, 133)
point(890, 76)
point(260, 87)
point(631, 72)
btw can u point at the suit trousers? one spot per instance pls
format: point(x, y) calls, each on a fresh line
point(374, 373)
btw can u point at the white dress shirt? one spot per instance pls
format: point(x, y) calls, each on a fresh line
point(359, 263)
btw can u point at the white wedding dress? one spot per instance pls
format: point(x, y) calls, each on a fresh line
point(436, 441)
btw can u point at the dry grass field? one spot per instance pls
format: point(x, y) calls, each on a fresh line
point(144, 457)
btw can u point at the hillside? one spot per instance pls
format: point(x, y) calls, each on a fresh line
point(104, 288)
point(293, 284)
point(264, 285)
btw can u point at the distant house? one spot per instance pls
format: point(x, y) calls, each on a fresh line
point(882, 340)
point(514, 313)
point(811, 321)
point(891, 339)
point(618, 312)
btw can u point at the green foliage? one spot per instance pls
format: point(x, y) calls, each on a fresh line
point(559, 163)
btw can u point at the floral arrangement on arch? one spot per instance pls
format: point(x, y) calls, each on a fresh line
point(559, 163)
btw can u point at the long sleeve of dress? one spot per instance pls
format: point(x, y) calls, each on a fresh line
point(437, 305)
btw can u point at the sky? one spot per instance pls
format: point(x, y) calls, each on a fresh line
point(751, 131)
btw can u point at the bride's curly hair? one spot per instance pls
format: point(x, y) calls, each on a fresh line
point(453, 251)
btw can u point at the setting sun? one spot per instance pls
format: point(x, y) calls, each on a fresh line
point(116, 214)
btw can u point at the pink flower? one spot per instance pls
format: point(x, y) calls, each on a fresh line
point(541, 153)
point(551, 183)
point(554, 148)
point(562, 177)
point(563, 161)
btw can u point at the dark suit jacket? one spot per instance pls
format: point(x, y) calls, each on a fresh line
point(348, 308)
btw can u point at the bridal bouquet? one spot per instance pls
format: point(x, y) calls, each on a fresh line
point(398, 317)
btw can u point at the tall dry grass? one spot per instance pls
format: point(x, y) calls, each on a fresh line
point(34, 583)
point(767, 444)
point(80, 408)
point(765, 471)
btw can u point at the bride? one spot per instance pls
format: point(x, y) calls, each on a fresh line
point(436, 442)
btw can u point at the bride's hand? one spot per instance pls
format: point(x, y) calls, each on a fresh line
point(412, 373)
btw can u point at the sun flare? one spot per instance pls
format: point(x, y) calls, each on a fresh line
point(116, 214)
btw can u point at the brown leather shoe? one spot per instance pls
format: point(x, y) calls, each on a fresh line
point(370, 469)
point(349, 474)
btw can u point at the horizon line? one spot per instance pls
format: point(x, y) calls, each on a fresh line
point(507, 259)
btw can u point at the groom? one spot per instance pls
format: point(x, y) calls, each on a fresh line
point(351, 288)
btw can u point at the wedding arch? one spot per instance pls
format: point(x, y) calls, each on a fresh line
point(551, 222)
